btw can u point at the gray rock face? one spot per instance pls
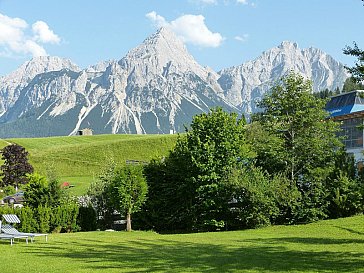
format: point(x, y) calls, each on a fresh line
point(245, 84)
point(156, 88)
point(12, 84)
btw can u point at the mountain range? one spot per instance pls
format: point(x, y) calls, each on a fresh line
point(156, 88)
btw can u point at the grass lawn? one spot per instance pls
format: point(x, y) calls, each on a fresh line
point(327, 246)
point(85, 156)
point(80, 184)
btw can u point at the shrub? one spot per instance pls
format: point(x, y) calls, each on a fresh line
point(252, 201)
point(28, 221)
point(9, 190)
point(44, 214)
point(42, 191)
point(64, 217)
point(87, 218)
point(98, 196)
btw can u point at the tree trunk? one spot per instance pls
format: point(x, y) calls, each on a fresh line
point(128, 222)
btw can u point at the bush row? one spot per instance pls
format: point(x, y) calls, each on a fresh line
point(43, 219)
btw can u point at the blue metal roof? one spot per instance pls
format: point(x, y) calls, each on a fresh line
point(346, 103)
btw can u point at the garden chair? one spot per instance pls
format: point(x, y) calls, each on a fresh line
point(9, 229)
point(7, 237)
point(4, 236)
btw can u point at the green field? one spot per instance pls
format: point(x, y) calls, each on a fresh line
point(326, 246)
point(78, 159)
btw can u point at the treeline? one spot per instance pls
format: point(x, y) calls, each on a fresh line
point(350, 84)
point(286, 166)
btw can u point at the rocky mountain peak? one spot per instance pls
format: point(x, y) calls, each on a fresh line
point(38, 65)
point(161, 53)
point(288, 45)
point(245, 84)
point(11, 84)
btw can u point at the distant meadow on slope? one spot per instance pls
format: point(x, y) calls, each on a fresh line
point(79, 159)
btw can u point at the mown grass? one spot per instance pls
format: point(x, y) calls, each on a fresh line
point(81, 158)
point(79, 184)
point(326, 246)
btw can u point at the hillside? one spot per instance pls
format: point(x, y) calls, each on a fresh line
point(78, 159)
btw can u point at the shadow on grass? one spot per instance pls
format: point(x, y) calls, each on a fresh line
point(350, 230)
point(162, 255)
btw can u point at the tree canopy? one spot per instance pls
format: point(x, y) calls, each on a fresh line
point(356, 71)
point(16, 165)
point(128, 191)
point(187, 188)
point(307, 138)
point(300, 141)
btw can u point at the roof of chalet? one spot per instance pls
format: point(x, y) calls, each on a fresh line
point(346, 105)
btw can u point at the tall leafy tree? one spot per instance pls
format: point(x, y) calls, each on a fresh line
point(129, 191)
point(307, 139)
point(195, 196)
point(16, 165)
point(293, 114)
point(356, 71)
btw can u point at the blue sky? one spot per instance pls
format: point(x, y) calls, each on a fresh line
point(218, 33)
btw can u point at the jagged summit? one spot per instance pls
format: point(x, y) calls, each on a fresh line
point(164, 33)
point(160, 54)
point(288, 45)
point(245, 84)
point(100, 66)
point(11, 85)
point(51, 63)
point(38, 65)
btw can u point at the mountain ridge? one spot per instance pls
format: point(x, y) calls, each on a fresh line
point(157, 87)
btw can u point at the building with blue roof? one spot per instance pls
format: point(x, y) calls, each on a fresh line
point(348, 108)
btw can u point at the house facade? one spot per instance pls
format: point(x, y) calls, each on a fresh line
point(348, 109)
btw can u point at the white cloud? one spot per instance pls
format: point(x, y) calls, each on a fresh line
point(158, 20)
point(246, 2)
point(242, 39)
point(16, 38)
point(205, 2)
point(190, 28)
point(35, 49)
point(43, 34)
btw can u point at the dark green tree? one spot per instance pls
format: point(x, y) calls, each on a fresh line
point(299, 120)
point(40, 191)
point(356, 71)
point(15, 166)
point(268, 146)
point(345, 187)
point(351, 84)
point(194, 195)
point(307, 139)
point(128, 191)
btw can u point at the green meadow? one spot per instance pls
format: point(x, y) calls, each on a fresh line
point(79, 159)
point(325, 246)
